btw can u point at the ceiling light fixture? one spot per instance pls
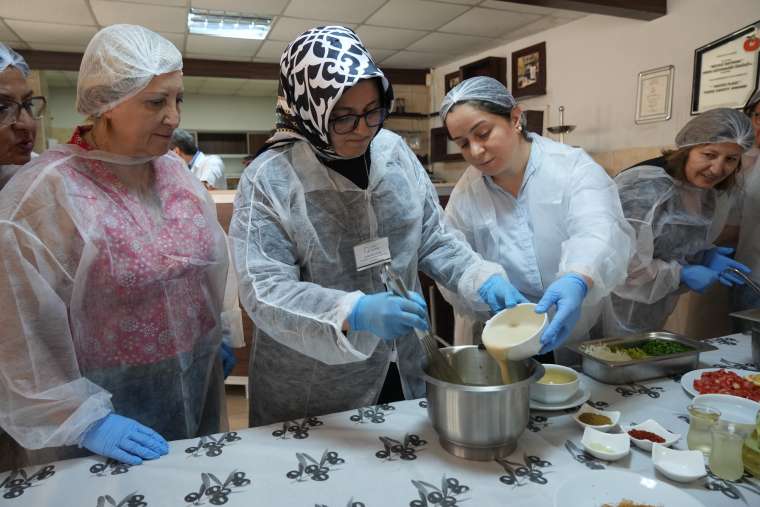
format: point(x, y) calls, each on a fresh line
point(228, 24)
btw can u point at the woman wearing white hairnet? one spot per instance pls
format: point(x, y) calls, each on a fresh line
point(748, 248)
point(328, 337)
point(543, 210)
point(114, 274)
point(679, 204)
point(19, 110)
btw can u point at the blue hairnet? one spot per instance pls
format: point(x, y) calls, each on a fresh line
point(720, 125)
point(480, 88)
point(9, 58)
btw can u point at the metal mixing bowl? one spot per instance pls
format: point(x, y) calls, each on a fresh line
point(482, 420)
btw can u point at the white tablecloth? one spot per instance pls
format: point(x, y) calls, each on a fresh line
point(379, 456)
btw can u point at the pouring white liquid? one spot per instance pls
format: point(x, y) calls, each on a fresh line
point(508, 330)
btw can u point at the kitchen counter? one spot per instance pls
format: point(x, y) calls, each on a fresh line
point(385, 455)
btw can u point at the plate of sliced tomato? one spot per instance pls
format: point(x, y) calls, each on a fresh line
point(721, 381)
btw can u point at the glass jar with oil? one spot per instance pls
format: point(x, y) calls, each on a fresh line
point(751, 450)
point(727, 442)
point(701, 419)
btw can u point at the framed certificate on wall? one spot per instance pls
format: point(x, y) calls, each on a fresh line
point(726, 71)
point(654, 95)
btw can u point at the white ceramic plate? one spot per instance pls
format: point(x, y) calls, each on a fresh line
point(595, 488)
point(613, 415)
point(654, 427)
point(732, 408)
point(579, 398)
point(679, 466)
point(688, 378)
point(606, 446)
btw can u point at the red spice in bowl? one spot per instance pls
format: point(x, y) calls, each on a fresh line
point(646, 435)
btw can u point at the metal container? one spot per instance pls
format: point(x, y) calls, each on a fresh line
point(482, 419)
point(753, 316)
point(624, 372)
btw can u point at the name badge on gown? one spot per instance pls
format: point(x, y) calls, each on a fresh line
point(372, 253)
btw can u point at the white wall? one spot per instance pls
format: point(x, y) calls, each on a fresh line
point(593, 65)
point(199, 112)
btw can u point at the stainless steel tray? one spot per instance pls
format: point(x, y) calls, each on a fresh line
point(623, 372)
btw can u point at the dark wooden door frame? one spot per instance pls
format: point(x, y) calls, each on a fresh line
point(634, 9)
point(54, 60)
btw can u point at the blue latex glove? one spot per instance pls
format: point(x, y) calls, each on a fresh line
point(698, 278)
point(228, 359)
point(717, 259)
point(567, 293)
point(389, 316)
point(500, 294)
point(124, 439)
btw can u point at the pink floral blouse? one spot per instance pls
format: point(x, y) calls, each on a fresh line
point(152, 287)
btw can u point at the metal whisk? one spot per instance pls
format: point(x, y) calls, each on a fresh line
point(437, 365)
point(749, 281)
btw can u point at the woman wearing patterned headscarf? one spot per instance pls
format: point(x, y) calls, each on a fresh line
point(328, 336)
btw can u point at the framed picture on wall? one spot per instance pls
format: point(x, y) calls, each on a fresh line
point(451, 80)
point(654, 95)
point(442, 149)
point(529, 71)
point(727, 70)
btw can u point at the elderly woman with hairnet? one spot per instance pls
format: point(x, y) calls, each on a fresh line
point(679, 204)
point(544, 211)
point(328, 335)
point(18, 112)
point(114, 274)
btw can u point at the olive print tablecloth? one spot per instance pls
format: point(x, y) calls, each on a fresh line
point(385, 455)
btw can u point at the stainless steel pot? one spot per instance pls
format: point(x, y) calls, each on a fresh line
point(483, 419)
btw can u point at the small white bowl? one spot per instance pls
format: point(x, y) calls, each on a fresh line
point(680, 466)
point(612, 414)
point(516, 318)
point(555, 393)
point(606, 446)
point(652, 426)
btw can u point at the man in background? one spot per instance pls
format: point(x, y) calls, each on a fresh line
point(207, 168)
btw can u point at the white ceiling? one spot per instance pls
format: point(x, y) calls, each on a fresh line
point(399, 33)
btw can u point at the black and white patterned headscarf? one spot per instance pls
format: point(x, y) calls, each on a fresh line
point(315, 69)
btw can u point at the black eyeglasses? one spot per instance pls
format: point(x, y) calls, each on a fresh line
point(348, 123)
point(10, 110)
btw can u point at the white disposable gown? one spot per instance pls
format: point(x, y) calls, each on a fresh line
point(293, 232)
point(107, 308)
point(566, 218)
point(210, 169)
point(675, 223)
point(748, 249)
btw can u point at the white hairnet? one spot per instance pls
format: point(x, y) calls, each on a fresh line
point(482, 88)
point(119, 61)
point(9, 58)
point(721, 125)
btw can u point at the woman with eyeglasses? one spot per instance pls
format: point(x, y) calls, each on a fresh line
point(328, 335)
point(19, 110)
point(114, 282)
